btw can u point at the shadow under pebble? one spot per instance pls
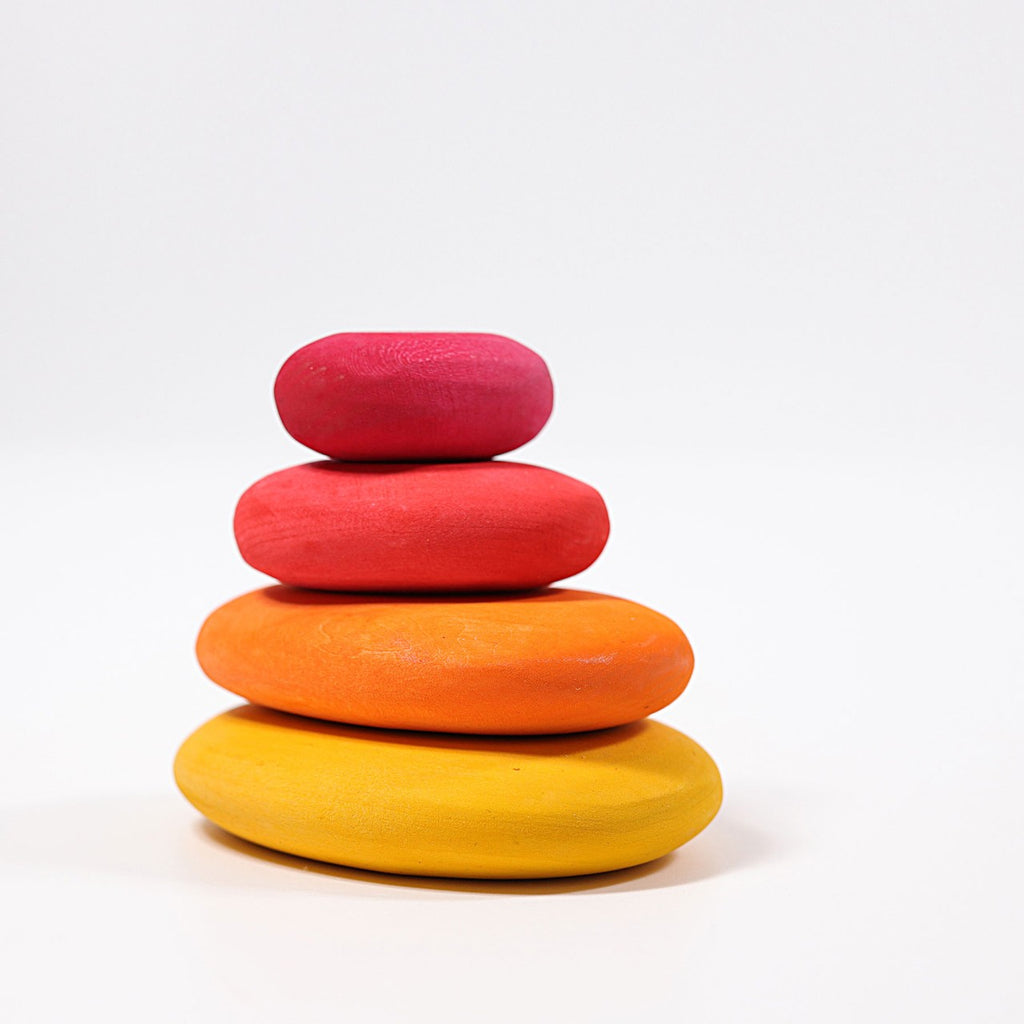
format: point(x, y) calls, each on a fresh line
point(160, 837)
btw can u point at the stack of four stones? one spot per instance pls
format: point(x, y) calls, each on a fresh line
point(423, 702)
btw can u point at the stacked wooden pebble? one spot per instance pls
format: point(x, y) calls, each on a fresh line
point(422, 701)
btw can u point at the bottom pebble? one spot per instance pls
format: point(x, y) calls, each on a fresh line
point(449, 805)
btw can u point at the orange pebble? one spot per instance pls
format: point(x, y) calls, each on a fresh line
point(551, 661)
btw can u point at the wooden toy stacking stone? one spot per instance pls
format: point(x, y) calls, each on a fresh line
point(422, 700)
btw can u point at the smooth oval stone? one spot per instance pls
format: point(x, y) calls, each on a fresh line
point(546, 662)
point(456, 806)
point(383, 397)
point(420, 527)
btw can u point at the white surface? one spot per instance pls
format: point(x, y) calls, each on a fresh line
point(773, 255)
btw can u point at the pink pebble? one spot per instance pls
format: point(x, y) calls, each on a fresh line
point(413, 397)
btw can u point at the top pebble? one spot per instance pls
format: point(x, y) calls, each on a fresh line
point(413, 397)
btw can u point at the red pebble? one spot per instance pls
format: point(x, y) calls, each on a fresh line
point(459, 526)
point(383, 397)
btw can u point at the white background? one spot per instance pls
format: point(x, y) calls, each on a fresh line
point(773, 254)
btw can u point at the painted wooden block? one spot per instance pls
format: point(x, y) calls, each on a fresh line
point(457, 806)
point(407, 397)
point(553, 661)
point(420, 527)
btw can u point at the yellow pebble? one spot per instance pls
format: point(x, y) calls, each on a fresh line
point(448, 805)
